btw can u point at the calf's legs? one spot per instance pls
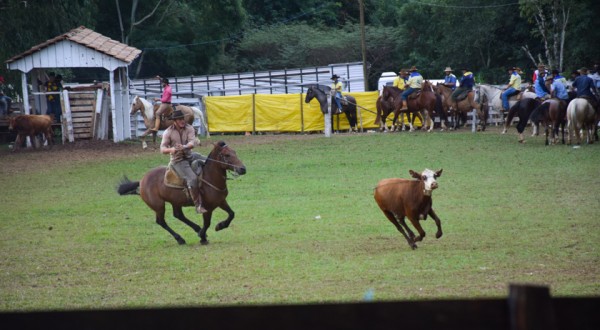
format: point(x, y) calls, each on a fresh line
point(398, 226)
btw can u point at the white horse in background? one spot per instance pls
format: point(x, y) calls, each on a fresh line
point(581, 116)
point(147, 110)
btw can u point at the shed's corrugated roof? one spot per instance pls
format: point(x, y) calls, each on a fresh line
point(90, 39)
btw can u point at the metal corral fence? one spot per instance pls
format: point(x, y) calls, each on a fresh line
point(190, 90)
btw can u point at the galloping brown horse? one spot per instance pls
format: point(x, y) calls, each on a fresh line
point(214, 191)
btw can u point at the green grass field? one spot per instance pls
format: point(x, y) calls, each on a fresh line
point(307, 229)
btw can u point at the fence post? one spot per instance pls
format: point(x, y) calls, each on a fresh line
point(473, 121)
point(327, 117)
point(530, 308)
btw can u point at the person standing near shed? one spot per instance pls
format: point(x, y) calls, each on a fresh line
point(165, 102)
point(53, 100)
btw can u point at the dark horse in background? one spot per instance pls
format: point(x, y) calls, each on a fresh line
point(551, 113)
point(523, 110)
point(321, 93)
point(214, 191)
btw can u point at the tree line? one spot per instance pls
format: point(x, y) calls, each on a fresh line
point(199, 37)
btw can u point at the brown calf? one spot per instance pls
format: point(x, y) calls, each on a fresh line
point(31, 125)
point(399, 198)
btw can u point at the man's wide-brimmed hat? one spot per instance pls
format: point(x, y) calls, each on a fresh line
point(335, 76)
point(414, 68)
point(584, 69)
point(177, 114)
point(541, 65)
point(447, 69)
point(549, 77)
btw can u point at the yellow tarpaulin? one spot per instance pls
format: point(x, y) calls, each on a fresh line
point(281, 113)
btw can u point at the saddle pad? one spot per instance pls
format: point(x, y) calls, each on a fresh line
point(414, 95)
point(172, 179)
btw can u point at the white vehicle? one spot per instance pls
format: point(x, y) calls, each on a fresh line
point(386, 79)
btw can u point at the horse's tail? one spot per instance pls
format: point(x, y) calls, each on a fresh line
point(539, 113)
point(128, 187)
point(379, 110)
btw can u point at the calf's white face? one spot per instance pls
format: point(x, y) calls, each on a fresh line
point(429, 179)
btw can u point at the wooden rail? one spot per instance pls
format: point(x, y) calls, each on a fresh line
point(527, 308)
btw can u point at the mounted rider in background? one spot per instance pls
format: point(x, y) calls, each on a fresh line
point(449, 79)
point(541, 91)
point(467, 82)
point(165, 102)
point(512, 88)
point(337, 87)
point(415, 83)
point(400, 81)
point(584, 86)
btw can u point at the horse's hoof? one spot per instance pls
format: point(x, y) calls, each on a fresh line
point(180, 241)
point(204, 242)
point(413, 246)
point(438, 234)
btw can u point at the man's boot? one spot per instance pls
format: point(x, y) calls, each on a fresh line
point(195, 192)
point(404, 106)
point(156, 124)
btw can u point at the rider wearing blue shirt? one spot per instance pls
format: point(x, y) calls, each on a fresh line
point(467, 81)
point(558, 88)
point(541, 91)
point(584, 85)
point(450, 79)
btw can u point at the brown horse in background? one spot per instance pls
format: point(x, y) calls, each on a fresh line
point(459, 110)
point(384, 108)
point(551, 113)
point(214, 191)
point(31, 125)
point(393, 95)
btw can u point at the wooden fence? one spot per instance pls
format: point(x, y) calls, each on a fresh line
point(527, 308)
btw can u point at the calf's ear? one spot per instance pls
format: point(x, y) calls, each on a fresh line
point(439, 173)
point(414, 174)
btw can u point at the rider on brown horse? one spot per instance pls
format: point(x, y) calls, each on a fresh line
point(415, 82)
point(466, 84)
point(165, 104)
point(178, 141)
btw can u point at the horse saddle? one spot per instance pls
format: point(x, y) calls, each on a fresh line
point(173, 180)
point(415, 94)
point(168, 112)
point(462, 95)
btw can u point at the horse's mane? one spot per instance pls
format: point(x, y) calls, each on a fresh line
point(321, 87)
point(148, 107)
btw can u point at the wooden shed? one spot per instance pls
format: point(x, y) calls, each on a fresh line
point(82, 48)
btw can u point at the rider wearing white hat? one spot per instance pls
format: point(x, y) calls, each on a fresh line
point(450, 79)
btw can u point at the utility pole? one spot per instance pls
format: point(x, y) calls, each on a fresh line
point(363, 44)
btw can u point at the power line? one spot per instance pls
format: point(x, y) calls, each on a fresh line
point(467, 6)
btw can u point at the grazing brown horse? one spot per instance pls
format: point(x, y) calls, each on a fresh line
point(31, 125)
point(214, 191)
point(459, 110)
point(147, 110)
point(551, 113)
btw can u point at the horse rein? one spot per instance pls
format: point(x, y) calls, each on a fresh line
point(234, 174)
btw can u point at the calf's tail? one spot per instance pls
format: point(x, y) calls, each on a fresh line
point(127, 187)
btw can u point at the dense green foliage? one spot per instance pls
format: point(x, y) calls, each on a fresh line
point(307, 229)
point(195, 37)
